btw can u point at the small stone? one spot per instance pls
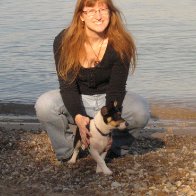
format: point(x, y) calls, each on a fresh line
point(65, 189)
point(191, 193)
point(130, 171)
point(115, 185)
point(178, 183)
point(58, 189)
point(15, 173)
point(136, 165)
point(149, 193)
point(187, 189)
point(180, 169)
point(193, 174)
point(165, 189)
point(192, 180)
point(110, 177)
point(184, 149)
point(152, 188)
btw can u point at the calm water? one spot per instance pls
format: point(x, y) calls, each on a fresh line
point(165, 33)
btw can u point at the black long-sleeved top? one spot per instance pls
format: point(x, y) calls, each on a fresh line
point(108, 77)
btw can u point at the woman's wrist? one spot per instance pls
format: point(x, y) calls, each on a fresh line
point(77, 118)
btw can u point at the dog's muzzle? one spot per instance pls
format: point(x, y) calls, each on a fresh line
point(123, 125)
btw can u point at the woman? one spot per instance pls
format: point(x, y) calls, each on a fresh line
point(92, 58)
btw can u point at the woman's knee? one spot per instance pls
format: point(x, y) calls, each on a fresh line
point(136, 110)
point(45, 105)
point(142, 117)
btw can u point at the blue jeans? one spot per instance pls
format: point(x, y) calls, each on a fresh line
point(55, 118)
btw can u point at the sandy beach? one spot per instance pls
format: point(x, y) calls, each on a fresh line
point(161, 160)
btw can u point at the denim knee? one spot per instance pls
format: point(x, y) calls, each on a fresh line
point(45, 107)
point(142, 117)
point(135, 111)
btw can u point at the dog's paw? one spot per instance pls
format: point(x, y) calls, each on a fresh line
point(71, 161)
point(98, 170)
point(107, 171)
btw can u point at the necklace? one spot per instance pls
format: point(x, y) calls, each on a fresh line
point(96, 55)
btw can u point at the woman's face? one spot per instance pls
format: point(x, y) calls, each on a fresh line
point(96, 18)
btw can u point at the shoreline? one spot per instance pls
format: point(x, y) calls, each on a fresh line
point(163, 119)
point(163, 107)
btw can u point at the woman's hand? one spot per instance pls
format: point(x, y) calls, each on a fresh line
point(82, 122)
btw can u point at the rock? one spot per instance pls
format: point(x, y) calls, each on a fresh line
point(58, 189)
point(130, 171)
point(149, 193)
point(193, 174)
point(165, 189)
point(136, 165)
point(187, 190)
point(184, 149)
point(178, 183)
point(115, 185)
point(192, 180)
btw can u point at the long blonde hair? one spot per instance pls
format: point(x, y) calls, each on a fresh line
point(72, 45)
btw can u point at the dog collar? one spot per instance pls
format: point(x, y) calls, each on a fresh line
point(103, 134)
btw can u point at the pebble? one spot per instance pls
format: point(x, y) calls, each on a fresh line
point(58, 189)
point(165, 189)
point(152, 188)
point(193, 174)
point(130, 171)
point(187, 190)
point(184, 149)
point(194, 164)
point(178, 183)
point(192, 180)
point(149, 193)
point(136, 165)
point(115, 184)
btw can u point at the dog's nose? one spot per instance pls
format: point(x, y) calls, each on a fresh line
point(126, 124)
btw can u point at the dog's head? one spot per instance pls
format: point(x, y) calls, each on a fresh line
point(112, 116)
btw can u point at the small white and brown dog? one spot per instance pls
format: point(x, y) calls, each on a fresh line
point(107, 119)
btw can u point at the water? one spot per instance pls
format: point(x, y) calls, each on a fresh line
point(164, 32)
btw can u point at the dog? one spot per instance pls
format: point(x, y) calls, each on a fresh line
point(100, 127)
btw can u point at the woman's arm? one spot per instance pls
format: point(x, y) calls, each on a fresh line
point(72, 98)
point(117, 85)
point(69, 91)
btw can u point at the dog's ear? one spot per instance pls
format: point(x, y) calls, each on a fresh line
point(104, 111)
point(111, 105)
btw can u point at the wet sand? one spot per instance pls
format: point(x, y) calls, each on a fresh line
point(174, 119)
